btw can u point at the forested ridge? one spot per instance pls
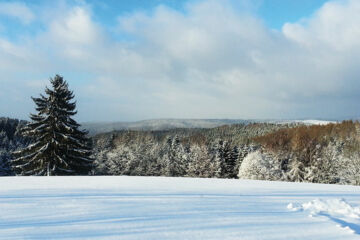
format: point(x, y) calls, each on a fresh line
point(215, 152)
point(287, 152)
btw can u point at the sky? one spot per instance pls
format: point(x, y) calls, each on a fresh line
point(148, 59)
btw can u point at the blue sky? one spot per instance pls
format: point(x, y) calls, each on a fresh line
point(277, 12)
point(273, 12)
point(134, 60)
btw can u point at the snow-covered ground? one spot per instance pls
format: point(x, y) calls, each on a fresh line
point(175, 208)
point(306, 122)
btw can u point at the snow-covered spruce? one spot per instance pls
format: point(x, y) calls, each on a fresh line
point(10, 140)
point(59, 147)
point(227, 156)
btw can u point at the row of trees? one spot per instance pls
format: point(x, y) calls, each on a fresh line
point(145, 154)
point(330, 156)
point(318, 153)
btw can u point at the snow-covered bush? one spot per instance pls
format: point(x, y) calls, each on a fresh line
point(296, 171)
point(257, 165)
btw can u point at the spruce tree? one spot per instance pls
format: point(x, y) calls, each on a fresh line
point(175, 158)
point(60, 147)
point(227, 157)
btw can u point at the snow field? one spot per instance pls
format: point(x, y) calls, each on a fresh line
point(175, 208)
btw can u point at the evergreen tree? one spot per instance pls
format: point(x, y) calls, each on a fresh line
point(175, 158)
point(60, 147)
point(227, 158)
point(232, 163)
point(200, 164)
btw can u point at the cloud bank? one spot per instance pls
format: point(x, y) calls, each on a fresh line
point(17, 10)
point(211, 60)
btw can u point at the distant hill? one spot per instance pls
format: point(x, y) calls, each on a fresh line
point(167, 124)
point(158, 124)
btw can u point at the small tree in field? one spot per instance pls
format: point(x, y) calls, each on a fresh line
point(60, 147)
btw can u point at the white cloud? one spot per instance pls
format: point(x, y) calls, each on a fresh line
point(75, 28)
point(210, 61)
point(335, 25)
point(17, 10)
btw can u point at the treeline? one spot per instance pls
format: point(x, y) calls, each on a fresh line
point(320, 154)
point(317, 153)
point(295, 152)
point(216, 152)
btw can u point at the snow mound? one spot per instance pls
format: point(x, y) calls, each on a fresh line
point(334, 207)
point(339, 211)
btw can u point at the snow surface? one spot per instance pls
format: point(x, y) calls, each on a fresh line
point(175, 208)
point(306, 122)
point(315, 122)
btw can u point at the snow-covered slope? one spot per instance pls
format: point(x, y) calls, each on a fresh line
point(306, 122)
point(175, 208)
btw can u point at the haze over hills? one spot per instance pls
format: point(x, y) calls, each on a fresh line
point(166, 124)
point(157, 124)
